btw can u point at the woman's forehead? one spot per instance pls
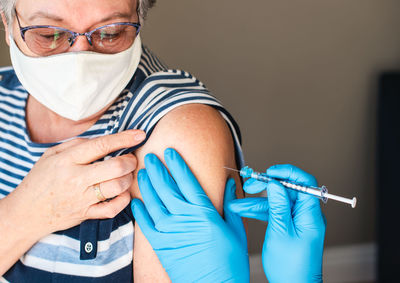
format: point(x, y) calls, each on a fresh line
point(80, 9)
point(77, 15)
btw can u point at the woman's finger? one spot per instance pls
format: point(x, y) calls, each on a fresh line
point(109, 209)
point(63, 146)
point(97, 148)
point(109, 189)
point(109, 169)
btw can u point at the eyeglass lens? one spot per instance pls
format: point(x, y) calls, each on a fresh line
point(47, 41)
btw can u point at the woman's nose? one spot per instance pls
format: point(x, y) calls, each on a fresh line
point(81, 44)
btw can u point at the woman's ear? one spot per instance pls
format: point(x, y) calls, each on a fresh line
point(7, 30)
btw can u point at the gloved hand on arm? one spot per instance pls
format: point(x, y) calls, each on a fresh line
point(192, 241)
point(293, 245)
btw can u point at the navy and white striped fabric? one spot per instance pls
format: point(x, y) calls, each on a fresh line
point(96, 250)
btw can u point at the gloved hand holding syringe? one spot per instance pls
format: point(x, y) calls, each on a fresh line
point(320, 192)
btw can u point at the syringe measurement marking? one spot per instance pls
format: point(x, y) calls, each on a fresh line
point(262, 177)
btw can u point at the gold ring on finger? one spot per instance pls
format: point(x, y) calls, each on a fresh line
point(97, 190)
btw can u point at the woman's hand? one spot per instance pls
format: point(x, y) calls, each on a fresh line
point(294, 240)
point(58, 192)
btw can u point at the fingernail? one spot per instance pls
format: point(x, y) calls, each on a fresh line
point(139, 136)
point(141, 173)
point(150, 158)
point(169, 152)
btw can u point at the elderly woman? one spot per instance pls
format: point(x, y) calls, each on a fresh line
point(81, 106)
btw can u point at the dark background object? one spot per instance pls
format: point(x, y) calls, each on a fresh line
point(388, 191)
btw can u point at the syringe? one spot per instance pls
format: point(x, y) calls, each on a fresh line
point(320, 192)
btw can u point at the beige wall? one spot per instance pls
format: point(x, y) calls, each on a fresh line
point(300, 78)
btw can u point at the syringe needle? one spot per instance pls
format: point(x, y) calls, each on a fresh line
point(232, 169)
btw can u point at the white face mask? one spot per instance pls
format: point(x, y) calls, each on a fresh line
point(76, 85)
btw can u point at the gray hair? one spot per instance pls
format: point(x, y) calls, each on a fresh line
point(7, 6)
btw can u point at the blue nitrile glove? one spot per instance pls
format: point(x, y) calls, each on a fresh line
point(294, 240)
point(192, 241)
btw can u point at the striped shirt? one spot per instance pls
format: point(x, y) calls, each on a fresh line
point(96, 250)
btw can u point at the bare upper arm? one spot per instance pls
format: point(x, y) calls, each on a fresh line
point(202, 137)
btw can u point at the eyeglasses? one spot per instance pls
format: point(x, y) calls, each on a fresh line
point(50, 40)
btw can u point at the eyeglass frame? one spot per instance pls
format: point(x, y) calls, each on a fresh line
point(74, 34)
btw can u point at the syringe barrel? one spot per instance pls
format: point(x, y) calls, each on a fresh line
point(260, 177)
point(308, 190)
point(315, 191)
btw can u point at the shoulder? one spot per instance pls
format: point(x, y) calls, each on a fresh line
point(150, 63)
point(194, 125)
point(8, 79)
point(161, 94)
point(12, 94)
point(198, 131)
